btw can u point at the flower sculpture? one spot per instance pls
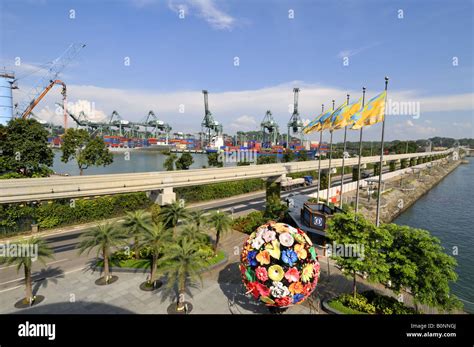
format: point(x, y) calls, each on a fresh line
point(279, 265)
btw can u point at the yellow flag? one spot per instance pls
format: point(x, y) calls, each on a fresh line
point(372, 113)
point(343, 116)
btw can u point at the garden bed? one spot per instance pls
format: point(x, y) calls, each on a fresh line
point(369, 302)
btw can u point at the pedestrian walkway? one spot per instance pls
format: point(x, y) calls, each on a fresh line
point(221, 292)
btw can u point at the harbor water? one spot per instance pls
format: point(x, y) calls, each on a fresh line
point(125, 162)
point(446, 211)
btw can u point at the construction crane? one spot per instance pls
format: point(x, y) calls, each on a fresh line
point(295, 125)
point(208, 125)
point(35, 101)
point(269, 130)
point(50, 78)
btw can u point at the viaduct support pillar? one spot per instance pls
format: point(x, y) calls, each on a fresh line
point(163, 196)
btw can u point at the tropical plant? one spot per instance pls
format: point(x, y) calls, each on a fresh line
point(103, 237)
point(25, 150)
point(88, 151)
point(193, 232)
point(181, 264)
point(154, 238)
point(371, 242)
point(135, 224)
point(169, 162)
point(171, 214)
point(198, 218)
point(32, 249)
point(184, 162)
point(221, 222)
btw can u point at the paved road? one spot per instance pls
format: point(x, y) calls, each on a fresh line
point(66, 257)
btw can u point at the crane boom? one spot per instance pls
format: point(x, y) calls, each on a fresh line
point(35, 101)
point(54, 70)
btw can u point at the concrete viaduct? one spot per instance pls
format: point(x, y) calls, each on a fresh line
point(159, 185)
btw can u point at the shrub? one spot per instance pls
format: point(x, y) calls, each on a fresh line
point(219, 190)
point(358, 303)
point(247, 224)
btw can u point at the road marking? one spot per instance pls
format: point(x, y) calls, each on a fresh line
point(57, 261)
point(65, 273)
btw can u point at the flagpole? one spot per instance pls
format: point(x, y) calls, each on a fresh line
point(319, 159)
point(377, 217)
point(330, 157)
point(360, 157)
point(343, 160)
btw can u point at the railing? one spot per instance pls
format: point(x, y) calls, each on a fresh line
point(36, 189)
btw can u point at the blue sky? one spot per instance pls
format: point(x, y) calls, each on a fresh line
point(172, 59)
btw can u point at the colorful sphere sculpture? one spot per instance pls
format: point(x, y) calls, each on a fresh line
point(279, 265)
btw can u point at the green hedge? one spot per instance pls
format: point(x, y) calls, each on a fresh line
point(18, 217)
point(219, 190)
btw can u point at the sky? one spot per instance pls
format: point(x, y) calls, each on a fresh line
point(159, 55)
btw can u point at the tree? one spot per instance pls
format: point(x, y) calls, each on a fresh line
point(24, 148)
point(222, 223)
point(172, 213)
point(198, 218)
point(155, 236)
point(184, 162)
point(136, 223)
point(288, 156)
point(193, 232)
point(102, 238)
point(303, 156)
point(274, 209)
point(181, 263)
point(418, 262)
point(213, 159)
point(266, 159)
point(86, 150)
point(25, 260)
point(353, 229)
point(169, 162)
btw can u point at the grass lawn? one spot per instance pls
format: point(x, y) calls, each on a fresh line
point(341, 308)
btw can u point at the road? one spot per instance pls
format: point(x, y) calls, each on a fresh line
point(66, 257)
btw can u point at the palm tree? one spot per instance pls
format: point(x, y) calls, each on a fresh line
point(102, 237)
point(221, 222)
point(31, 249)
point(155, 237)
point(136, 222)
point(172, 213)
point(192, 232)
point(198, 218)
point(181, 264)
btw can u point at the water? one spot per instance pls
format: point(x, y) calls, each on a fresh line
point(139, 161)
point(446, 211)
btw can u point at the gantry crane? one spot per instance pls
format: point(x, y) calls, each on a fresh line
point(208, 125)
point(117, 121)
point(48, 80)
point(157, 125)
point(295, 125)
point(269, 130)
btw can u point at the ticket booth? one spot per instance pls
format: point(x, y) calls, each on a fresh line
point(315, 216)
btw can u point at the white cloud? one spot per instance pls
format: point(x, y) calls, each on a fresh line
point(206, 9)
point(351, 52)
point(244, 123)
point(242, 108)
